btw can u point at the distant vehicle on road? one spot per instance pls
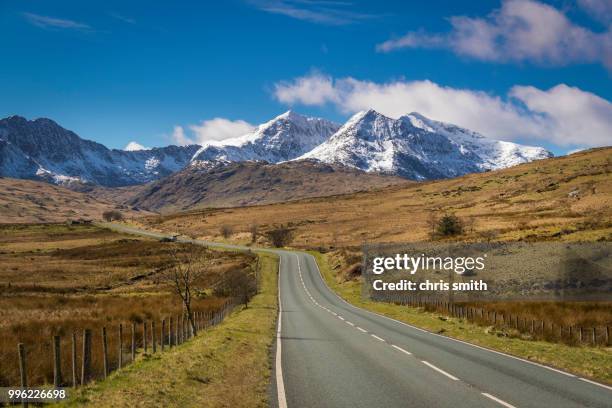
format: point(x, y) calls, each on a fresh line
point(171, 238)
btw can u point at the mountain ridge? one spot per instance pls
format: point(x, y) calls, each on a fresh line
point(412, 146)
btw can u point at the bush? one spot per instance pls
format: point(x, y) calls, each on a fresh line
point(280, 236)
point(449, 225)
point(112, 215)
point(226, 231)
point(238, 284)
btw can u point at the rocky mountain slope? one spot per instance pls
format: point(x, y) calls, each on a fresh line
point(232, 184)
point(285, 137)
point(42, 150)
point(418, 148)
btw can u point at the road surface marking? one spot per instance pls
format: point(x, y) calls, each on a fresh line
point(436, 334)
point(376, 337)
point(596, 383)
point(280, 384)
point(401, 349)
point(504, 403)
point(340, 317)
point(349, 323)
point(452, 377)
point(361, 330)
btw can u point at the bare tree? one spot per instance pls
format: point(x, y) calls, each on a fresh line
point(226, 231)
point(254, 233)
point(239, 283)
point(280, 236)
point(189, 264)
point(112, 215)
point(432, 223)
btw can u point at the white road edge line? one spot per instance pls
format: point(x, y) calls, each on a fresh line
point(439, 335)
point(376, 337)
point(452, 377)
point(280, 384)
point(401, 349)
point(595, 383)
point(501, 402)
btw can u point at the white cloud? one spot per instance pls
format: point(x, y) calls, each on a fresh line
point(599, 9)
point(134, 146)
point(211, 130)
point(521, 30)
point(220, 129)
point(562, 115)
point(179, 137)
point(52, 22)
point(314, 11)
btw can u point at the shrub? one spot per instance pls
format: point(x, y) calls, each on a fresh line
point(449, 225)
point(226, 231)
point(112, 215)
point(280, 236)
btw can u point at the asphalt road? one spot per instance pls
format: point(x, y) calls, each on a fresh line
point(332, 354)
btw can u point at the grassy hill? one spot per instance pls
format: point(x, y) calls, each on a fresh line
point(565, 198)
point(28, 201)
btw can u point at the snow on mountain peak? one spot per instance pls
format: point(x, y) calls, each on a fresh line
point(416, 147)
point(283, 138)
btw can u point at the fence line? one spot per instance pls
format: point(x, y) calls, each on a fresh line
point(540, 329)
point(177, 332)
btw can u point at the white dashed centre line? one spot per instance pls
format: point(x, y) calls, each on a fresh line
point(361, 330)
point(376, 337)
point(504, 403)
point(452, 377)
point(401, 349)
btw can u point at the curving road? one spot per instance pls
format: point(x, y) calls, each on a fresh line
point(332, 354)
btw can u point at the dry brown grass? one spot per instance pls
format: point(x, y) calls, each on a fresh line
point(28, 201)
point(530, 201)
point(58, 279)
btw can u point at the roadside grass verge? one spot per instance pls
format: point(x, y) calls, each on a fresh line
point(591, 362)
point(224, 366)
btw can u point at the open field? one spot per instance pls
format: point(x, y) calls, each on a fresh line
point(225, 366)
point(57, 279)
point(566, 198)
point(594, 362)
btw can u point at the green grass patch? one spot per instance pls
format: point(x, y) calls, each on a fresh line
point(225, 366)
point(592, 362)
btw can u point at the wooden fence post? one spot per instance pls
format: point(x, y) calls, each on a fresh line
point(22, 368)
point(57, 362)
point(133, 342)
point(120, 345)
point(86, 362)
point(580, 330)
point(170, 333)
point(144, 336)
point(74, 360)
point(607, 335)
point(594, 336)
point(163, 333)
point(104, 352)
point(153, 339)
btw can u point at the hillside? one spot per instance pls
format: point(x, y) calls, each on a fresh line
point(205, 185)
point(559, 198)
point(28, 201)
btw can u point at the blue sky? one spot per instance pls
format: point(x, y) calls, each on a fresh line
point(118, 71)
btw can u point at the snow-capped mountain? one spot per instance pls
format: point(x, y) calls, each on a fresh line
point(41, 149)
point(412, 146)
point(283, 138)
point(418, 148)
